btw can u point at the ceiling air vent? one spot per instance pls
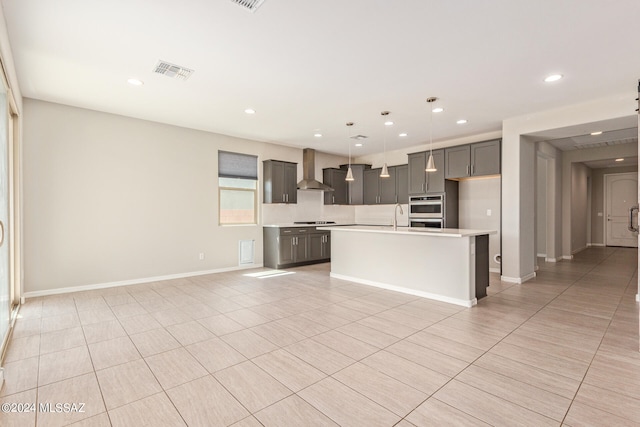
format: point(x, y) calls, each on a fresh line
point(251, 5)
point(172, 70)
point(359, 137)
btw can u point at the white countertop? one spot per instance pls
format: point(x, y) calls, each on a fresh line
point(445, 232)
point(290, 224)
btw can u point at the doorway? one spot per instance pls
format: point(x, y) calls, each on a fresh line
point(621, 191)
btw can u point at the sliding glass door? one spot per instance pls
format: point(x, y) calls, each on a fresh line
point(5, 285)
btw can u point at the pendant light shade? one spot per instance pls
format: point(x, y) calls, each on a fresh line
point(385, 170)
point(431, 165)
point(349, 175)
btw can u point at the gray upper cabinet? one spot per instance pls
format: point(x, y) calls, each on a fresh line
point(279, 182)
point(457, 162)
point(420, 181)
point(371, 187)
point(478, 159)
point(389, 190)
point(335, 178)
point(355, 189)
point(485, 158)
point(387, 187)
point(402, 184)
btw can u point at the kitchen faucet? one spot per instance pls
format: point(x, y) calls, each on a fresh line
point(395, 216)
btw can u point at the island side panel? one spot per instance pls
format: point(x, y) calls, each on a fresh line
point(432, 266)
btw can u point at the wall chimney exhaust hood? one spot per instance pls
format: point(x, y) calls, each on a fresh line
point(309, 172)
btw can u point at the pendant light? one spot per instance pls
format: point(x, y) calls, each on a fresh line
point(385, 169)
point(349, 172)
point(431, 165)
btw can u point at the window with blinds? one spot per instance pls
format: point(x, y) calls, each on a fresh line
point(237, 188)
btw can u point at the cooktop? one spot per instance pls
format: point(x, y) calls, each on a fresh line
point(314, 222)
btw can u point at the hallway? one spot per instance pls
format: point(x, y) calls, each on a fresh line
point(305, 349)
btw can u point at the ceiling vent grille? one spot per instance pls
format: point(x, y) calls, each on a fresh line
point(359, 137)
point(172, 70)
point(250, 5)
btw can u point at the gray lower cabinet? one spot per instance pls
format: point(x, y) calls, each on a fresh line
point(292, 246)
point(477, 159)
point(422, 182)
point(335, 178)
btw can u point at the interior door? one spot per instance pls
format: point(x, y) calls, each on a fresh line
point(621, 194)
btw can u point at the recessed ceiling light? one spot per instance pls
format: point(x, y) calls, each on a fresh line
point(553, 78)
point(358, 145)
point(389, 123)
point(438, 110)
point(461, 122)
point(596, 133)
point(317, 135)
point(403, 134)
point(135, 82)
point(620, 160)
point(250, 111)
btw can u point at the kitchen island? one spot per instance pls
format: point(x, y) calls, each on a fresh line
point(450, 265)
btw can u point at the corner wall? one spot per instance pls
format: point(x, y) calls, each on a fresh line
point(109, 198)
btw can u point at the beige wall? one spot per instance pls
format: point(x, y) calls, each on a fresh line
point(475, 198)
point(598, 202)
point(579, 206)
point(110, 198)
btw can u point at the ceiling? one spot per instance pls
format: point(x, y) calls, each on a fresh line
point(309, 67)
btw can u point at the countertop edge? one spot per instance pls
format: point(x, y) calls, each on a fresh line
point(446, 232)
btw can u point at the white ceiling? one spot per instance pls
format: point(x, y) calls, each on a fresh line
point(311, 66)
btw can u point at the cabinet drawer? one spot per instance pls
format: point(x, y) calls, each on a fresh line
point(296, 231)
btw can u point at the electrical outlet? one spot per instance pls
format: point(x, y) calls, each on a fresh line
point(599, 213)
point(488, 212)
point(201, 256)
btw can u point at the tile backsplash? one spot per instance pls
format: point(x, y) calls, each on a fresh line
point(310, 207)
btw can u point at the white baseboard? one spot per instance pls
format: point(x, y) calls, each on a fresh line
point(1, 378)
point(518, 280)
point(542, 255)
point(552, 259)
point(579, 250)
point(96, 286)
point(456, 301)
point(494, 270)
point(638, 297)
point(569, 257)
point(595, 244)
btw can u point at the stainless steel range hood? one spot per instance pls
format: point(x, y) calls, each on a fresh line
point(309, 172)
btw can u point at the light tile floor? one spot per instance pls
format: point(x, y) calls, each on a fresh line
point(304, 350)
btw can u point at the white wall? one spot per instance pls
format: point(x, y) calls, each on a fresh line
point(110, 198)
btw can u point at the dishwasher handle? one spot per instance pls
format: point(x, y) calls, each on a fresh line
point(631, 227)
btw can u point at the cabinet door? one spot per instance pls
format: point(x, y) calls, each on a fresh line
point(435, 180)
point(334, 178)
point(316, 242)
point(277, 182)
point(286, 254)
point(371, 187)
point(485, 158)
point(326, 247)
point(457, 162)
point(356, 187)
point(301, 248)
point(417, 178)
point(387, 187)
point(290, 184)
point(402, 184)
